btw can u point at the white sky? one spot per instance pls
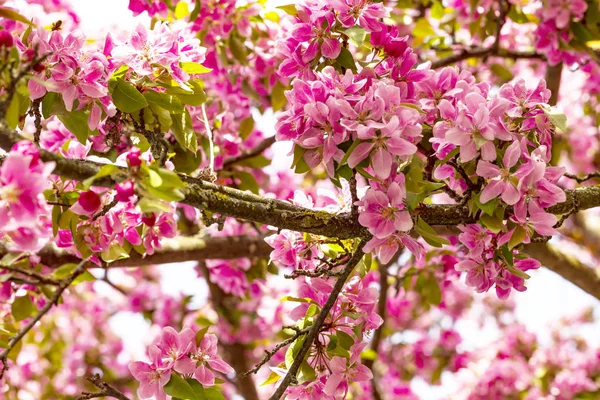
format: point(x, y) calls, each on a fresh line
point(548, 297)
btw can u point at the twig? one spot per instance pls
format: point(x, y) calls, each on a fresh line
point(583, 178)
point(262, 146)
point(34, 111)
point(54, 300)
point(481, 52)
point(354, 194)
point(271, 353)
point(41, 278)
point(105, 209)
point(107, 390)
point(315, 328)
point(210, 139)
point(317, 273)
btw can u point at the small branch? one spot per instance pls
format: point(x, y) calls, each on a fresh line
point(553, 78)
point(566, 265)
point(270, 354)
point(210, 139)
point(318, 323)
point(106, 390)
point(46, 280)
point(34, 111)
point(53, 301)
point(584, 178)
point(105, 209)
point(481, 52)
point(354, 196)
point(262, 146)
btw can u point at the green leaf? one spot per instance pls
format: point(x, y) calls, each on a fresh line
point(196, 98)
point(200, 335)
point(114, 253)
point(517, 15)
point(77, 123)
point(13, 112)
point(238, 48)
point(516, 271)
point(9, 13)
point(184, 132)
point(423, 28)
point(180, 388)
point(345, 340)
point(22, 308)
point(154, 178)
point(432, 291)
point(581, 32)
point(306, 373)
point(278, 99)
point(127, 98)
point(349, 152)
point(356, 34)
point(194, 68)
point(492, 223)
point(501, 72)
point(437, 10)
point(247, 181)
point(246, 127)
point(517, 237)
point(167, 101)
point(429, 234)
point(11, 258)
point(196, 11)
point(148, 205)
point(105, 170)
point(292, 351)
point(52, 104)
point(289, 9)
point(346, 60)
point(212, 393)
point(488, 207)
point(170, 179)
point(272, 378)
point(181, 10)
point(557, 118)
point(168, 194)
point(508, 255)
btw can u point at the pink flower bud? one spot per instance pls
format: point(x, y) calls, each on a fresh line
point(149, 219)
point(124, 191)
point(89, 202)
point(6, 39)
point(133, 158)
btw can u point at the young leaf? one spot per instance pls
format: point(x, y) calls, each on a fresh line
point(178, 387)
point(127, 98)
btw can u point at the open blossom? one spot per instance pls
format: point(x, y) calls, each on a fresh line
point(152, 377)
point(502, 182)
point(384, 213)
point(24, 213)
point(208, 361)
point(344, 371)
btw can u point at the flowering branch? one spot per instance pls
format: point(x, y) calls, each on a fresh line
point(262, 146)
point(318, 323)
point(107, 390)
point(53, 300)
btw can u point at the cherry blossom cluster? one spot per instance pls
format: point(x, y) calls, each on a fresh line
point(178, 353)
point(24, 212)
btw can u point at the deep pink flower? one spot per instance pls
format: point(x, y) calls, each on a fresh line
point(502, 182)
point(152, 377)
point(384, 213)
point(207, 360)
point(175, 348)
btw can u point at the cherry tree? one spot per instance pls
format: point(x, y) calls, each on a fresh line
point(439, 151)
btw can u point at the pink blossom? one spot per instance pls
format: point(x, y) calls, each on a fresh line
point(384, 213)
point(207, 360)
point(152, 377)
point(502, 182)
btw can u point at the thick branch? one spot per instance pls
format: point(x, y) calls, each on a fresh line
point(318, 323)
point(567, 266)
point(175, 250)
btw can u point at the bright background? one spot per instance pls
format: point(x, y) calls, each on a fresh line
point(547, 299)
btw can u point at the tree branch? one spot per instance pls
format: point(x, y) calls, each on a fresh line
point(318, 323)
point(54, 300)
point(480, 52)
point(262, 146)
point(174, 250)
point(567, 266)
point(107, 390)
